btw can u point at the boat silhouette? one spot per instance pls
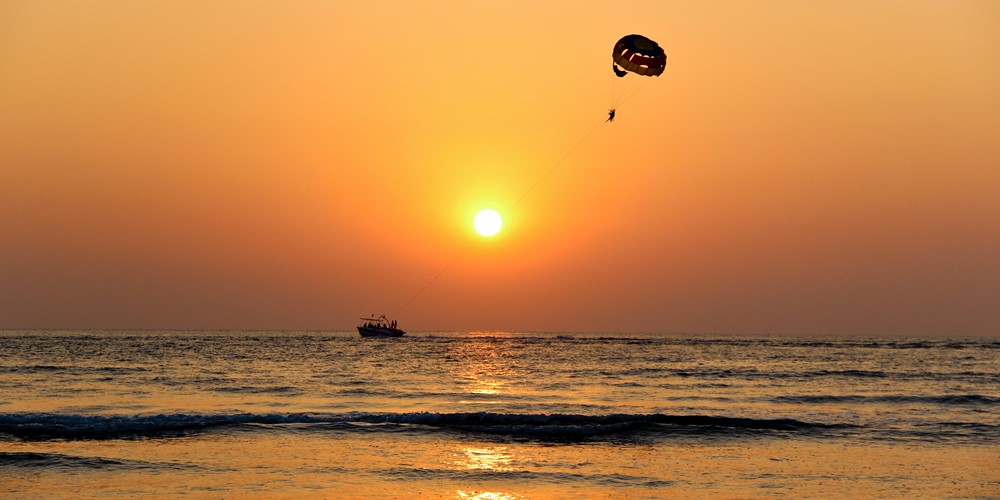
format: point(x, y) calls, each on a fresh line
point(379, 327)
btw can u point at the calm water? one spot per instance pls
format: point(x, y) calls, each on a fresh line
point(495, 415)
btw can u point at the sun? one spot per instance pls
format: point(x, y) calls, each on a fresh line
point(487, 222)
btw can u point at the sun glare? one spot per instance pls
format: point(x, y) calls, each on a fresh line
point(487, 222)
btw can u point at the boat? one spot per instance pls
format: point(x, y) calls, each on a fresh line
point(379, 327)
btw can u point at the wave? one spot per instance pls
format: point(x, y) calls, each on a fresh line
point(522, 476)
point(749, 373)
point(793, 342)
point(58, 460)
point(72, 369)
point(964, 399)
point(553, 427)
point(285, 390)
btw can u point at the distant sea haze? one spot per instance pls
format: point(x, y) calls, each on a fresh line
point(495, 415)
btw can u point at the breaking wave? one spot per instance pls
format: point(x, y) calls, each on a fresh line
point(555, 427)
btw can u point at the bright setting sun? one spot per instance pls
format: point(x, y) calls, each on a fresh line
point(487, 222)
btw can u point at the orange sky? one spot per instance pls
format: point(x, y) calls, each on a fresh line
point(800, 167)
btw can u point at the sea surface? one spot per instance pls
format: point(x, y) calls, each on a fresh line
point(253, 414)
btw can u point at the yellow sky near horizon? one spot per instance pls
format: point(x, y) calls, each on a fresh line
point(799, 167)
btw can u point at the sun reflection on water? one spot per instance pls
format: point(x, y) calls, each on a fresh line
point(489, 459)
point(496, 458)
point(486, 495)
point(484, 368)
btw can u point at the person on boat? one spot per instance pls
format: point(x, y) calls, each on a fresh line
point(611, 115)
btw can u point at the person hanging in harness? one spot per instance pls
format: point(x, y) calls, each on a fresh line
point(611, 115)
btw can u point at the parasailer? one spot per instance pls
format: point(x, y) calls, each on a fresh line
point(633, 54)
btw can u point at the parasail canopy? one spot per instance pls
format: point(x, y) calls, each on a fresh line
point(638, 54)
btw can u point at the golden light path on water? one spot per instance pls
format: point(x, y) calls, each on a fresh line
point(484, 375)
point(492, 495)
point(490, 458)
point(484, 369)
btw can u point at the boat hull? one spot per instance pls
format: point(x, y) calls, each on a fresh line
point(380, 332)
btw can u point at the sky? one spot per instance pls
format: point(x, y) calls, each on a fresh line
point(806, 168)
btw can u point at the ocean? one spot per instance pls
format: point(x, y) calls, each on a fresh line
point(255, 414)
